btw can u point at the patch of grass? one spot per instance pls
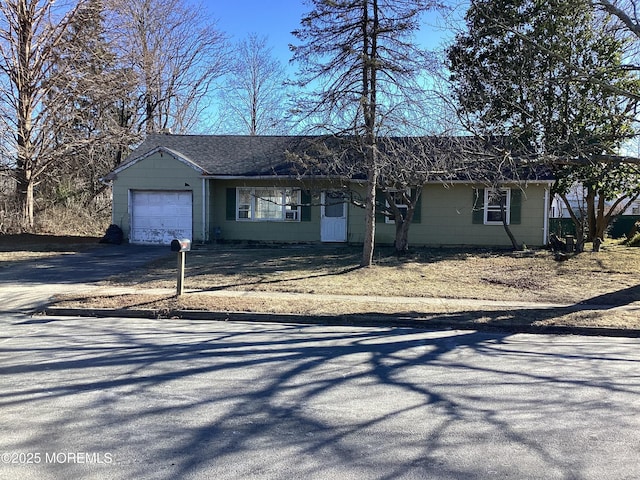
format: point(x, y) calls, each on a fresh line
point(611, 277)
point(460, 314)
point(634, 241)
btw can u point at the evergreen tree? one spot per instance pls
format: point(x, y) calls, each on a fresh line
point(519, 71)
point(89, 132)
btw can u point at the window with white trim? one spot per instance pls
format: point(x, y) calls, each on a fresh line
point(244, 204)
point(264, 204)
point(494, 200)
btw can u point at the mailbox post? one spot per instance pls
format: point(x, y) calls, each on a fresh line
point(181, 246)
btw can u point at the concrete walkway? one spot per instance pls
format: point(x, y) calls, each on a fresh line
point(30, 298)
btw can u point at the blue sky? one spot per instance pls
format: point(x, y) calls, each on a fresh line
point(276, 20)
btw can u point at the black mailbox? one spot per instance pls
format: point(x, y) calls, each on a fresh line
point(180, 245)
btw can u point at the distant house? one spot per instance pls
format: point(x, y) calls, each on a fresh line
point(576, 201)
point(633, 209)
point(248, 189)
point(578, 204)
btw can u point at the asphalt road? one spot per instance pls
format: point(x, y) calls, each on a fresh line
point(177, 399)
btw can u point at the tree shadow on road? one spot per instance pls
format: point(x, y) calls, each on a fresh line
point(254, 400)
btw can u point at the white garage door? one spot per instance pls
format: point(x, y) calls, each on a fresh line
point(159, 217)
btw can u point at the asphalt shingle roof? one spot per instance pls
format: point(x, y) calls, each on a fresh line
point(229, 155)
point(252, 156)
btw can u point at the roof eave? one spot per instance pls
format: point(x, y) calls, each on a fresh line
point(177, 155)
point(273, 177)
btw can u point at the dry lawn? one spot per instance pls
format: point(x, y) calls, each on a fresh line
point(532, 276)
point(583, 282)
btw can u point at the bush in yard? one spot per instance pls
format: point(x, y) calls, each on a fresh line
point(634, 241)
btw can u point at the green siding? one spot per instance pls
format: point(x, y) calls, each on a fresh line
point(158, 172)
point(380, 202)
point(231, 204)
point(447, 218)
point(417, 213)
point(445, 215)
point(305, 208)
point(478, 206)
point(381, 199)
point(223, 216)
point(515, 217)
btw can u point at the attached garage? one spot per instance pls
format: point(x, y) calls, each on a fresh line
point(157, 217)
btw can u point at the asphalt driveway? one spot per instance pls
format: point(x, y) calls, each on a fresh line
point(87, 266)
point(28, 285)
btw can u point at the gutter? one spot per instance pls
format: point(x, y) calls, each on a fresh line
point(545, 228)
point(205, 203)
point(267, 177)
point(318, 177)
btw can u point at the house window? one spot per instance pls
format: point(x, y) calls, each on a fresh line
point(268, 204)
point(494, 201)
point(244, 204)
point(399, 198)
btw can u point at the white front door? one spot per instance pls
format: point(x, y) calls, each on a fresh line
point(333, 212)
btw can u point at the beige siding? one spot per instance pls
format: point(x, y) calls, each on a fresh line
point(157, 172)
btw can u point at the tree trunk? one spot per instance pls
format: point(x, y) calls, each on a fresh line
point(602, 220)
point(618, 207)
point(402, 236)
point(578, 224)
point(404, 223)
point(23, 79)
point(591, 212)
point(512, 238)
point(26, 200)
point(580, 240)
point(369, 96)
point(370, 218)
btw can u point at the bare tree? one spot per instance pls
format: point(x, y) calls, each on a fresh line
point(360, 63)
point(626, 11)
point(625, 17)
point(30, 31)
point(408, 163)
point(176, 55)
point(253, 97)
